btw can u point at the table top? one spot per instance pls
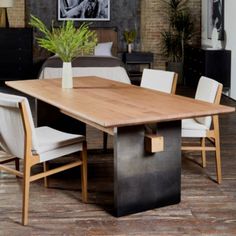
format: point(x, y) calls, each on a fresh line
point(109, 104)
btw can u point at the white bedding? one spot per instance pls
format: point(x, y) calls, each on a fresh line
point(113, 73)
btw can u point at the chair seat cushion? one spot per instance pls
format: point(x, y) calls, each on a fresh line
point(191, 128)
point(51, 139)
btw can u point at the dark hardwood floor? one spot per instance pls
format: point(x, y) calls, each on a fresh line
point(206, 208)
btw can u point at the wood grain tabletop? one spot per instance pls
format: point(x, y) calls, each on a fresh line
point(109, 103)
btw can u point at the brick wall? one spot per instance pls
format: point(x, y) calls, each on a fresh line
point(154, 20)
point(17, 14)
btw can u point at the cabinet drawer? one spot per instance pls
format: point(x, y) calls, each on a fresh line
point(11, 39)
point(14, 44)
point(138, 57)
point(16, 58)
point(13, 56)
point(15, 71)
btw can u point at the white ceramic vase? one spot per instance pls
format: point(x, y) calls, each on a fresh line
point(130, 47)
point(216, 43)
point(67, 78)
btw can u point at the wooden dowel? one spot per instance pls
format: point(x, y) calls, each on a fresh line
point(194, 148)
point(8, 169)
point(55, 170)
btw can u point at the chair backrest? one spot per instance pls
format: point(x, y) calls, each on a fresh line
point(164, 81)
point(116, 73)
point(208, 90)
point(12, 132)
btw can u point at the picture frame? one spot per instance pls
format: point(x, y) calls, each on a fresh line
point(215, 18)
point(84, 10)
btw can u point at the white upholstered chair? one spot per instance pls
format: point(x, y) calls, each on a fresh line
point(160, 80)
point(208, 90)
point(19, 138)
point(164, 81)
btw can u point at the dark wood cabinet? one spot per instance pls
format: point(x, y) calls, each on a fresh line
point(16, 60)
point(133, 61)
point(215, 64)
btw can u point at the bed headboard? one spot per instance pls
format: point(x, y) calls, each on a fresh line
point(108, 35)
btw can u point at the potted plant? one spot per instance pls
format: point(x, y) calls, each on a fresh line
point(66, 42)
point(178, 35)
point(129, 38)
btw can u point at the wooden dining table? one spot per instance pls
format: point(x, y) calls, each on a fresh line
point(143, 179)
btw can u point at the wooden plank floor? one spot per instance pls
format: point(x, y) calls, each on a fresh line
point(206, 207)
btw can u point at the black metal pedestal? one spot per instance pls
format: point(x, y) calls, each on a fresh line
point(144, 181)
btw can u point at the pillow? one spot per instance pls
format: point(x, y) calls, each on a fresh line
point(103, 49)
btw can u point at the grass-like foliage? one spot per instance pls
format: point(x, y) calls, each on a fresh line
point(130, 36)
point(66, 41)
point(181, 29)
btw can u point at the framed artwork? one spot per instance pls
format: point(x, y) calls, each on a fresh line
point(215, 18)
point(84, 10)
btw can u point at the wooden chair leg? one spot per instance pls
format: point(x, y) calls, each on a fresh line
point(46, 180)
point(218, 164)
point(105, 136)
point(26, 187)
point(217, 144)
point(218, 161)
point(84, 185)
point(203, 144)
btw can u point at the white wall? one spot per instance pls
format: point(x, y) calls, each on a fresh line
point(230, 29)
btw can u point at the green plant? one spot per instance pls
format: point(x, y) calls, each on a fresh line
point(130, 36)
point(66, 41)
point(180, 30)
point(171, 46)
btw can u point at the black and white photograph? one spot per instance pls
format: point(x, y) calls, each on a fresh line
point(215, 18)
point(84, 10)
